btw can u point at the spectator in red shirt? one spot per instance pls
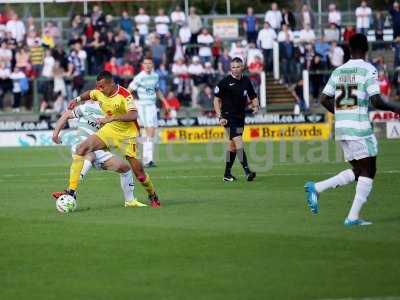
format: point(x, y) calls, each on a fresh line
point(348, 33)
point(173, 106)
point(112, 66)
point(255, 69)
point(384, 85)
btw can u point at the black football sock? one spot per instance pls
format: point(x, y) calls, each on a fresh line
point(243, 160)
point(230, 159)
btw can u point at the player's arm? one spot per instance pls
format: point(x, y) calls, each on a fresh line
point(160, 96)
point(328, 102)
point(381, 104)
point(82, 98)
point(60, 124)
point(217, 108)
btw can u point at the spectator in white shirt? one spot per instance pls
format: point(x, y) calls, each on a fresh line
point(162, 23)
point(178, 17)
point(336, 55)
point(363, 14)
point(335, 17)
point(142, 24)
point(265, 41)
point(5, 53)
point(196, 72)
point(307, 17)
point(238, 50)
point(205, 40)
point(17, 75)
point(332, 33)
point(185, 34)
point(252, 53)
point(16, 27)
point(274, 17)
point(48, 65)
point(307, 35)
point(195, 25)
point(285, 34)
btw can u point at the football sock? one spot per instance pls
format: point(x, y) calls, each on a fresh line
point(230, 159)
point(363, 188)
point(127, 185)
point(146, 151)
point(341, 179)
point(150, 148)
point(75, 171)
point(87, 165)
point(243, 159)
point(147, 184)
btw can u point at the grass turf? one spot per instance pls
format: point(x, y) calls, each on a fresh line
point(210, 240)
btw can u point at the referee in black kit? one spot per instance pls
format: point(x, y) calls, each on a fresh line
point(232, 96)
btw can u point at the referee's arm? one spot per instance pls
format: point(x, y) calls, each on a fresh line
point(217, 108)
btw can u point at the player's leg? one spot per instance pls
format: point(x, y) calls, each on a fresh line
point(230, 157)
point(150, 122)
point(78, 164)
point(144, 180)
point(148, 147)
point(367, 171)
point(313, 189)
point(113, 163)
point(241, 154)
point(126, 144)
point(91, 144)
point(87, 164)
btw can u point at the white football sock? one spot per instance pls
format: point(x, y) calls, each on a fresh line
point(87, 165)
point(341, 179)
point(145, 151)
point(151, 149)
point(127, 185)
point(363, 188)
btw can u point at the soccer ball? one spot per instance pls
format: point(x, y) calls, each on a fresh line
point(66, 204)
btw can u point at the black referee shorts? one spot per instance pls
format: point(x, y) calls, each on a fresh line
point(234, 127)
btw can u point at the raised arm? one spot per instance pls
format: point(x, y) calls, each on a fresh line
point(60, 125)
point(82, 98)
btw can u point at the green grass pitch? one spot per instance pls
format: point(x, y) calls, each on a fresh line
point(210, 240)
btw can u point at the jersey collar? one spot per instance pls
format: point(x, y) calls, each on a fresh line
point(116, 92)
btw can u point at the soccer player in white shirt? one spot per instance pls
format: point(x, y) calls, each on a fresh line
point(145, 89)
point(348, 93)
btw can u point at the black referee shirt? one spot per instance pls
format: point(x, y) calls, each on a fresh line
point(234, 95)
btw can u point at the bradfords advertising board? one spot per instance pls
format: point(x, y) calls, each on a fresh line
point(251, 133)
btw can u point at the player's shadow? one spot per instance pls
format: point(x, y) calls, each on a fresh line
point(83, 209)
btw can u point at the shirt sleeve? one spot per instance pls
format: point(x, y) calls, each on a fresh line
point(133, 86)
point(94, 95)
point(218, 90)
point(77, 112)
point(329, 89)
point(130, 103)
point(371, 84)
point(250, 90)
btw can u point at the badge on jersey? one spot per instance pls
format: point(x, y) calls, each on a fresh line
point(130, 103)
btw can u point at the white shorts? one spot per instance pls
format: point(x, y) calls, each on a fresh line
point(359, 149)
point(147, 115)
point(101, 157)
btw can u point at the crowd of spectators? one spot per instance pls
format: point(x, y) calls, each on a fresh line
point(187, 57)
